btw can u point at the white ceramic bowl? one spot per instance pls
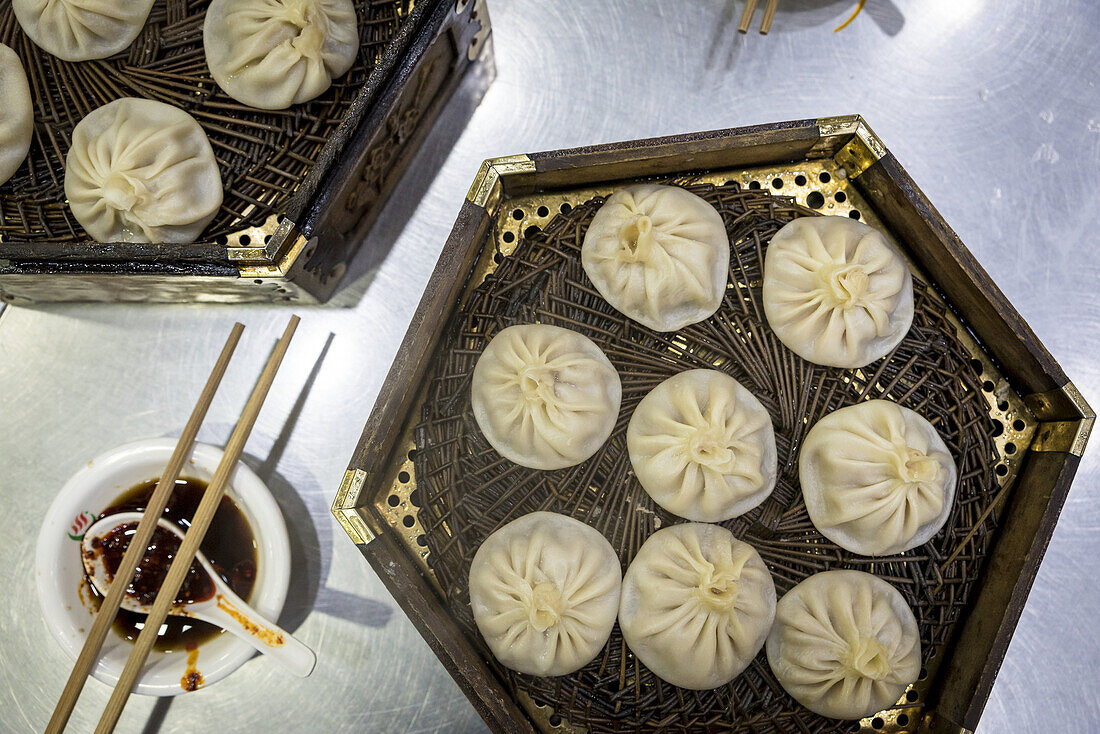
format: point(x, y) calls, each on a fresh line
point(65, 607)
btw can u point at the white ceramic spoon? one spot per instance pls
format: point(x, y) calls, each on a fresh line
point(224, 609)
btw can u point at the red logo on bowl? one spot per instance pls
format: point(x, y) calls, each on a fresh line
point(80, 524)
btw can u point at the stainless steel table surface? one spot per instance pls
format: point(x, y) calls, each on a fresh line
point(992, 106)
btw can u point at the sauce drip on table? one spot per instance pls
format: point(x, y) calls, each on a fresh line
point(229, 545)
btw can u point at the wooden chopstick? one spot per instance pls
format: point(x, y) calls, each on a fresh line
point(746, 16)
point(200, 523)
point(157, 502)
point(769, 16)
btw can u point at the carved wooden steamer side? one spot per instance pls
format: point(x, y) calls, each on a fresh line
point(1037, 426)
point(292, 221)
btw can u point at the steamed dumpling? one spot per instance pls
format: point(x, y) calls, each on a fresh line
point(545, 397)
point(142, 171)
point(79, 30)
point(272, 54)
point(836, 293)
point(703, 446)
point(17, 122)
point(658, 254)
point(545, 591)
point(697, 604)
point(845, 644)
point(877, 478)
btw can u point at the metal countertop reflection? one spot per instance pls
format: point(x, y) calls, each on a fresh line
point(991, 105)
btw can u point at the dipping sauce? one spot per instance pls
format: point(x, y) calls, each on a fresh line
point(229, 545)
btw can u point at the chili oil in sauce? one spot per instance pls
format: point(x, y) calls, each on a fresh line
point(229, 545)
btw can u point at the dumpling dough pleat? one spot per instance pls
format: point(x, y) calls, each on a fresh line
point(17, 121)
point(835, 292)
point(658, 254)
point(80, 30)
point(142, 171)
point(271, 54)
point(545, 397)
point(545, 591)
point(696, 605)
point(703, 446)
point(845, 644)
point(877, 478)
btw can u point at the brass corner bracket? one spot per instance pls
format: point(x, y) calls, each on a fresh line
point(486, 190)
point(347, 514)
point(839, 125)
point(863, 148)
point(271, 248)
point(1062, 436)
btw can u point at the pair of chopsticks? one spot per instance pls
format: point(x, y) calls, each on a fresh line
point(765, 22)
point(200, 523)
